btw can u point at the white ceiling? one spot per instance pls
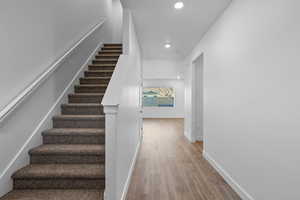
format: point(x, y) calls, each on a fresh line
point(157, 22)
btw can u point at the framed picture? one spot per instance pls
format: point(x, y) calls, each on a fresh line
point(158, 97)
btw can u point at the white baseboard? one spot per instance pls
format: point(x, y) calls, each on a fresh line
point(127, 184)
point(235, 186)
point(18, 162)
point(188, 137)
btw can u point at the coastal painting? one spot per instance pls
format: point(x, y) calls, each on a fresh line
point(158, 97)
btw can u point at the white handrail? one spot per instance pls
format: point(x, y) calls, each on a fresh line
point(16, 101)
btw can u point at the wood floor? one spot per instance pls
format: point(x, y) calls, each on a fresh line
point(170, 168)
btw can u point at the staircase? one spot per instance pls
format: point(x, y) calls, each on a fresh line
point(70, 165)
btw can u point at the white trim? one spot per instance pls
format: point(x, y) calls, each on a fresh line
point(237, 188)
point(131, 170)
point(52, 109)
point(189, 137)
point(16, 101)
point(168, 78)
point(111, 149)
point(111, 109)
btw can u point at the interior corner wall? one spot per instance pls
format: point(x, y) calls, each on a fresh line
point(164, 73)
point(117, 21)
point(251, 98)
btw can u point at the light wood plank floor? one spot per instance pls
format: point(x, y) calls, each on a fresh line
point(170, 168)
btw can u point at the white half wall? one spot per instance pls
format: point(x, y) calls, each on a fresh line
point(251, 98)
point(124, 95)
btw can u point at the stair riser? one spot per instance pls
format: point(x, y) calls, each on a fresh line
point(91, 110)
point(90, 89)
point(67, 159)
point(78, 123)
point(108, 56)
point(111, 48)
point(94, 81)
point(114, 45)
point(110, 52)
point(73, 139)
point(59, 183)
point(98, 74)
point(76, 99)
point(93, 67)
point(104, 61)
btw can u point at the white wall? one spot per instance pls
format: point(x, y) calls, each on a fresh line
point(34, 34)
point(162, 69)
point(164, 73)
point(251, 98)
point(117, 21)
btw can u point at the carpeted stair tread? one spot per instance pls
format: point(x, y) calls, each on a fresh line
point(74, 136)
point(60, 171)
point(91, 86)
point(74, 131)
point(108, 55)
point(54, 195)
point(113, 44)
point(79, 121)
point(101, 70)
point(87, 94)
point(79, 117)
point(106, 51)
point(69, 149)
point(82, 104)
point(82, 109)
point(111, 47)
point(95, 78)
point(85, 97)
point(104, 65)
point(70, 164)
point(106, 59)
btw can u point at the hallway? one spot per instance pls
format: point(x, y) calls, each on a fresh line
point(170, 168)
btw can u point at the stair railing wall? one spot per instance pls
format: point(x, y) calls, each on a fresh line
point(31, 111)
point(122, 115)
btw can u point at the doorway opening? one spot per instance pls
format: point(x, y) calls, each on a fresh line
point(197, 99)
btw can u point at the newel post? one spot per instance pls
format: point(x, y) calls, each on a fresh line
point(111, 113)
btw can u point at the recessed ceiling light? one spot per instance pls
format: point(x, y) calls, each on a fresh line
point(178, 77)
point(167, 46)
point(179, 5)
